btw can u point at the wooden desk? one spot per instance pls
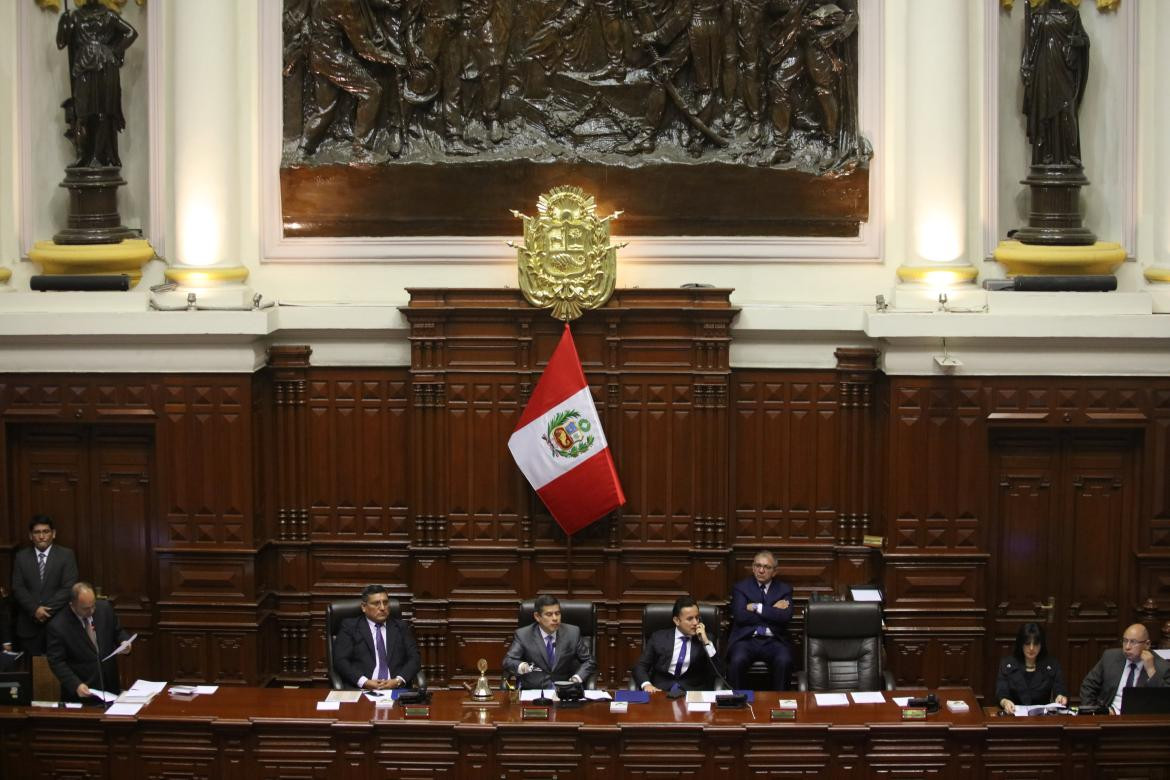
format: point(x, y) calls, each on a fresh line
point(249, 733)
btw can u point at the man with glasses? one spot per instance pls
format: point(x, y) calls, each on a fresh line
point(375, 651)
point(761, 607)
point(41, 578)
point(1133, 664)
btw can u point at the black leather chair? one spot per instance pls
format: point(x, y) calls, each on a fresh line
point(843, 648)
point(582, 614)
point(338, 611)
point(656, 617)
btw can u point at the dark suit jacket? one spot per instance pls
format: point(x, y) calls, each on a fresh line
point(744, 622)
point(354, 656)
point(656, 665)
point(30, 592)
point(1101, 682)
point(1022, 687)
point(572, 656)
point(72, 656)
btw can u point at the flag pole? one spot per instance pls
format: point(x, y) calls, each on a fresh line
point(569, 537)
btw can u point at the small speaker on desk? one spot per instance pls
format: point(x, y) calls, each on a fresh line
point(80, 282)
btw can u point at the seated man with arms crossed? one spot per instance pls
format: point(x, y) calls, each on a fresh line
point(1132, 664)
point(681, 656)
point(548, 650)
point(761, 607)
point(375, 651)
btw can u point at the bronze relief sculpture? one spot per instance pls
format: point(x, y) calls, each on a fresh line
point(600, 88)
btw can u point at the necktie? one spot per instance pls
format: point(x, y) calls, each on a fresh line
point(89, 629)
point(761, 629)
point(682, 656)
point(41, 562)
point(381, 673)
point(1132, 674)
point(550, 651)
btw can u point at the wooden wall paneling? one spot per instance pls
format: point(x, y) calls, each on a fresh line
point(857, 372)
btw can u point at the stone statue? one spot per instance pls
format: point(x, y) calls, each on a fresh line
point(97, 39)
point(1055, 69)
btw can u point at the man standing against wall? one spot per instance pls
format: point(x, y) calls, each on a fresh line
point(41, 578)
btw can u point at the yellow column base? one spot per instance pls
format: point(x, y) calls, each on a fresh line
point(125, 257)
point(5, 275)
point(939, 276)
point(208, 276)
point(1158, 273)
point(1103, 257)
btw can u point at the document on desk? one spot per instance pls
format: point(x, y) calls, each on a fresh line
point(349, 697)
point(866, 594)
point(325, 706)
point(122, 648)
point(146, 688)
point(698, 706)
point(205, 690)
point(1023, 710)
point(124, 708)
point(868, 697)
point(902, 701)
point(700, 696)
point(598, 695)
point(832, 699)
point(105, 696)
point(532, 694)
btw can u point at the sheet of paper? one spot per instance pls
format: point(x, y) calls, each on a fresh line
point(204, 690)
point(121, 648)
point(700, 696)
point(124, 708)
point(532, 694)
point(344, 696)
point(130, 698)
point(831, 699)
point(1023, 710)
point(70, 705)
point(328, 705)
point(598, 695)
point(866, 594)
point(144, 687)
point(103, 695)
point(902, 701)
point(698, 706)
point(868, 697)
point(384, 703)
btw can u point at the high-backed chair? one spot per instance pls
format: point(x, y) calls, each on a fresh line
point(338, 611)
point(843, 648)
point(659, 616)
point(582, 614)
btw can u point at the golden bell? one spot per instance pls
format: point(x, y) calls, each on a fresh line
point(483, 691)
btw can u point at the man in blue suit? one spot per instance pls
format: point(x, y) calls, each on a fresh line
point(761, 607)
point(375, 651)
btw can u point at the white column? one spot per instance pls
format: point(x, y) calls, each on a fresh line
point(9, 243)
point(1158, 147)
point(939, 144)
point(204, 80)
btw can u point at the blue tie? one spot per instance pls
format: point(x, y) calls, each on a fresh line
point(551, 652)
point(381, 673)
point(682, 656)
point(1132, 674)
point(761, 629)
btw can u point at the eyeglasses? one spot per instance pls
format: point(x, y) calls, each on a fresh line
point(1126, 642)
point(763, 566)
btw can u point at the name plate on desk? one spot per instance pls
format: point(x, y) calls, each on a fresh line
point(534, 713)
point(416, 711)
point(913, 713)
point(783, 714)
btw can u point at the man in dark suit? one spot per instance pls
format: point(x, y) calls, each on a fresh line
point(375, 651)
point(41, 578)
point(681, 656)
point(78, 638)
point(549, 650)
point(761, 607)
point(1131, 665)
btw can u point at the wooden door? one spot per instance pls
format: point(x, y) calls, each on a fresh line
point(1063, 517)
point(96, 484)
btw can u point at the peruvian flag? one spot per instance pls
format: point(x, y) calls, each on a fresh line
point(559, 445)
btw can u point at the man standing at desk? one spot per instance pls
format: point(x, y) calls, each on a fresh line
point(78, 638)
point(375, 651)
point(549, 650)
point(41, 578)
point(1131, 665)
point(761, 607)
point(681, 656)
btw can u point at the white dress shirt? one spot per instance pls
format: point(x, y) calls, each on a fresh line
point(676, 648)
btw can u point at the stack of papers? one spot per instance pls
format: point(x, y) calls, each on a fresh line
point(831, 699)
point(1023, 710)
point(337, 697)
point(868, 697)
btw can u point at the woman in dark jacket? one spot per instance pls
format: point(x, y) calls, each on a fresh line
point(1029, 675)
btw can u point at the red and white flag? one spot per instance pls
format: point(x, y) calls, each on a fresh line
point(560, 447)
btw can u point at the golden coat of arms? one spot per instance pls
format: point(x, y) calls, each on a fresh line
point(566, 263)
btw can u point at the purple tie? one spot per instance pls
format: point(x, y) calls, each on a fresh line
point(1132, 674)
point(551, 652)
point(682, 656)
point(381, 673)
point(761, 629)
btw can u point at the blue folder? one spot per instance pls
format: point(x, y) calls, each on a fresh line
point(635, 697)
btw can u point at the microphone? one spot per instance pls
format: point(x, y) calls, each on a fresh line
point(542, 700)
point(97, 651)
